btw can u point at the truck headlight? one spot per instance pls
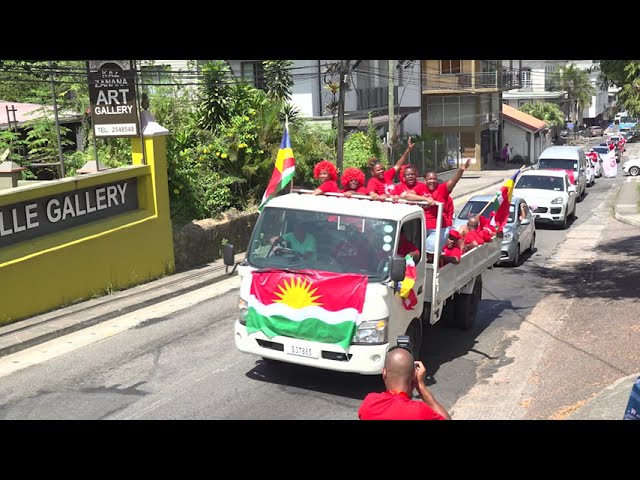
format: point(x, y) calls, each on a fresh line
point(556, 201)
point(374, 331)
point(243, 306)
point(507, 237)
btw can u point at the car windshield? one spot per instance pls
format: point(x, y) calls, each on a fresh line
point(542, 182)
point(475, 207)
point(561, 163)
point(322, 241)
point(601, 149)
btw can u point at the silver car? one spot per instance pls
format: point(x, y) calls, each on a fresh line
point(519, 231)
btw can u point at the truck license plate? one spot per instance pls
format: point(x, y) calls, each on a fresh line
point(302, 351)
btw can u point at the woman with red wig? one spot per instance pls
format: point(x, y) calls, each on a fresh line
point(327, 174)
point(353, 179)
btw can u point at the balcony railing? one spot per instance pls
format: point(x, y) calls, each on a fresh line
point(467, 81)
point(376, 97)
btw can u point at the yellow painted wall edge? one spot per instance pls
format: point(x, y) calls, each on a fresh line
point(93, 259)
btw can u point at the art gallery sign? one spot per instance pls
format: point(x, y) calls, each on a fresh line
point(112, 93)
point(38, 217)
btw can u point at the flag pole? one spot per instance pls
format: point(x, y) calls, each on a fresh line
point(286, 127)
point(493, 199)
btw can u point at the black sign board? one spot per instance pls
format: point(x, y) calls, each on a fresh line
point(112, 93)
point(38, 217)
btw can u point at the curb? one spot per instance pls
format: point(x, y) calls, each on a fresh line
point(21, 335)
point(624, 218)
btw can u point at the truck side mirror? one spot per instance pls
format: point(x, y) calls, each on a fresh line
point(398, 267)
point(228, 255)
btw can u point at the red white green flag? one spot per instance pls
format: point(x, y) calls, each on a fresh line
point(283, 171)
point(502, 202)
point(406, 292)
point(310, 305)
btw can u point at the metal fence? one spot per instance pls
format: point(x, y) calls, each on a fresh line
point(429, 155)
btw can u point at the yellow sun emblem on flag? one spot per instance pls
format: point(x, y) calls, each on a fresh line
point(297, 294)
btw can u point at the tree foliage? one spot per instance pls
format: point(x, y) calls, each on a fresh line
point(549, 113)
point(626, 75)
point(278, 78)
point(578, 87)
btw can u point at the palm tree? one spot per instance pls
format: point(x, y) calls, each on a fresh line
point(549, 113)
point(578, 87)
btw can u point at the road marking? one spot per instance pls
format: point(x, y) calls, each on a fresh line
point(69, 343)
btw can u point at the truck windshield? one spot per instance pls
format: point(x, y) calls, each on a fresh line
point(298, 239)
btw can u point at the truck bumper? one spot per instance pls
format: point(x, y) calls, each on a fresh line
point(362, 359)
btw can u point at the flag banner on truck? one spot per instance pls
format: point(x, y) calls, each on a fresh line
point(405, 291)
point(283, 171)
point(309, 305)
point(503, 201)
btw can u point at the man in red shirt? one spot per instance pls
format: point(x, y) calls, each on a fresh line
point(381, 182)
point(401, 375)
point(474, 237)
point(451, 252)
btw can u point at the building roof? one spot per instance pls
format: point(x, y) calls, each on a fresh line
point(29, 111)
point(522, 119)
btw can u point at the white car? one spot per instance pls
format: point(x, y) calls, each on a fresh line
point(550, 195)
point(632, 167)
point(605, 154)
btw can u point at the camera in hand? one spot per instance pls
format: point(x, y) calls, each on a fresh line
point(404, 341)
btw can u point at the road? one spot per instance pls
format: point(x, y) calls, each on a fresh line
point(178, 360)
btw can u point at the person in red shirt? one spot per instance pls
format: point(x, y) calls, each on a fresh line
point(473, 237)
point(451, 253)
point(447, 213)
point(327, 174)
point(409, 188)
point(381, 184)
point(401, 375)
point(405, 247)
point(353, 179)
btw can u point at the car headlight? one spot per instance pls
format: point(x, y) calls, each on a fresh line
point(374, 331)
point(556, 201)
point(243, 306)
point(507, 237)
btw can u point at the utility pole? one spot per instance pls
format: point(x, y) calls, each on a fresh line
point(392, 125)
point(343, 70)
point(55, 113)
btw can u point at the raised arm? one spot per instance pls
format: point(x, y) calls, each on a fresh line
point(458, 175)
point(404, 156)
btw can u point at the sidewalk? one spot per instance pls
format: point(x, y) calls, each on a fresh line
point(610, 403)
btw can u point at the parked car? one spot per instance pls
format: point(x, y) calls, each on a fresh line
point(631, 135)
point(595, 131)
point(632, 167)
point(519, 233)
point(550, 194)
point(571, 159)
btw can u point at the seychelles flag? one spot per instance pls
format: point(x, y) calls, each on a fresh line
point(310, 305)
point(502, 202)
point(409, 299)
point(283, 171)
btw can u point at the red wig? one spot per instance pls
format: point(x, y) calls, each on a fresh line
point(328, 166)
point(353, 173)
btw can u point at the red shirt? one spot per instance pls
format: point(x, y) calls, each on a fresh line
point(418, 189)
point(473, 235)
point(405, 247)
point(380, 187)
point(329, 186)
point(447, 213)
point(440, 194)
point(395, 406)
point(451, 252)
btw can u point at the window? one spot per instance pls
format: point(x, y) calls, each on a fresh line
point(450, 66)
point(526, 77)
point(451, 110)
point(253, 73)
point(412, 233)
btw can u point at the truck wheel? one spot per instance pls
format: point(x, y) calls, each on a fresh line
point(415, 333)
point(466, 307)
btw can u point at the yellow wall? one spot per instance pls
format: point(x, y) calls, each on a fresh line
point(89, 260)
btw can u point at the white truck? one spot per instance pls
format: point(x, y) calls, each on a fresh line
point(450, 294)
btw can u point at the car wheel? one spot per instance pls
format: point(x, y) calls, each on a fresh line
point(516, 257)
point(533, 243)
point(634, 171)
